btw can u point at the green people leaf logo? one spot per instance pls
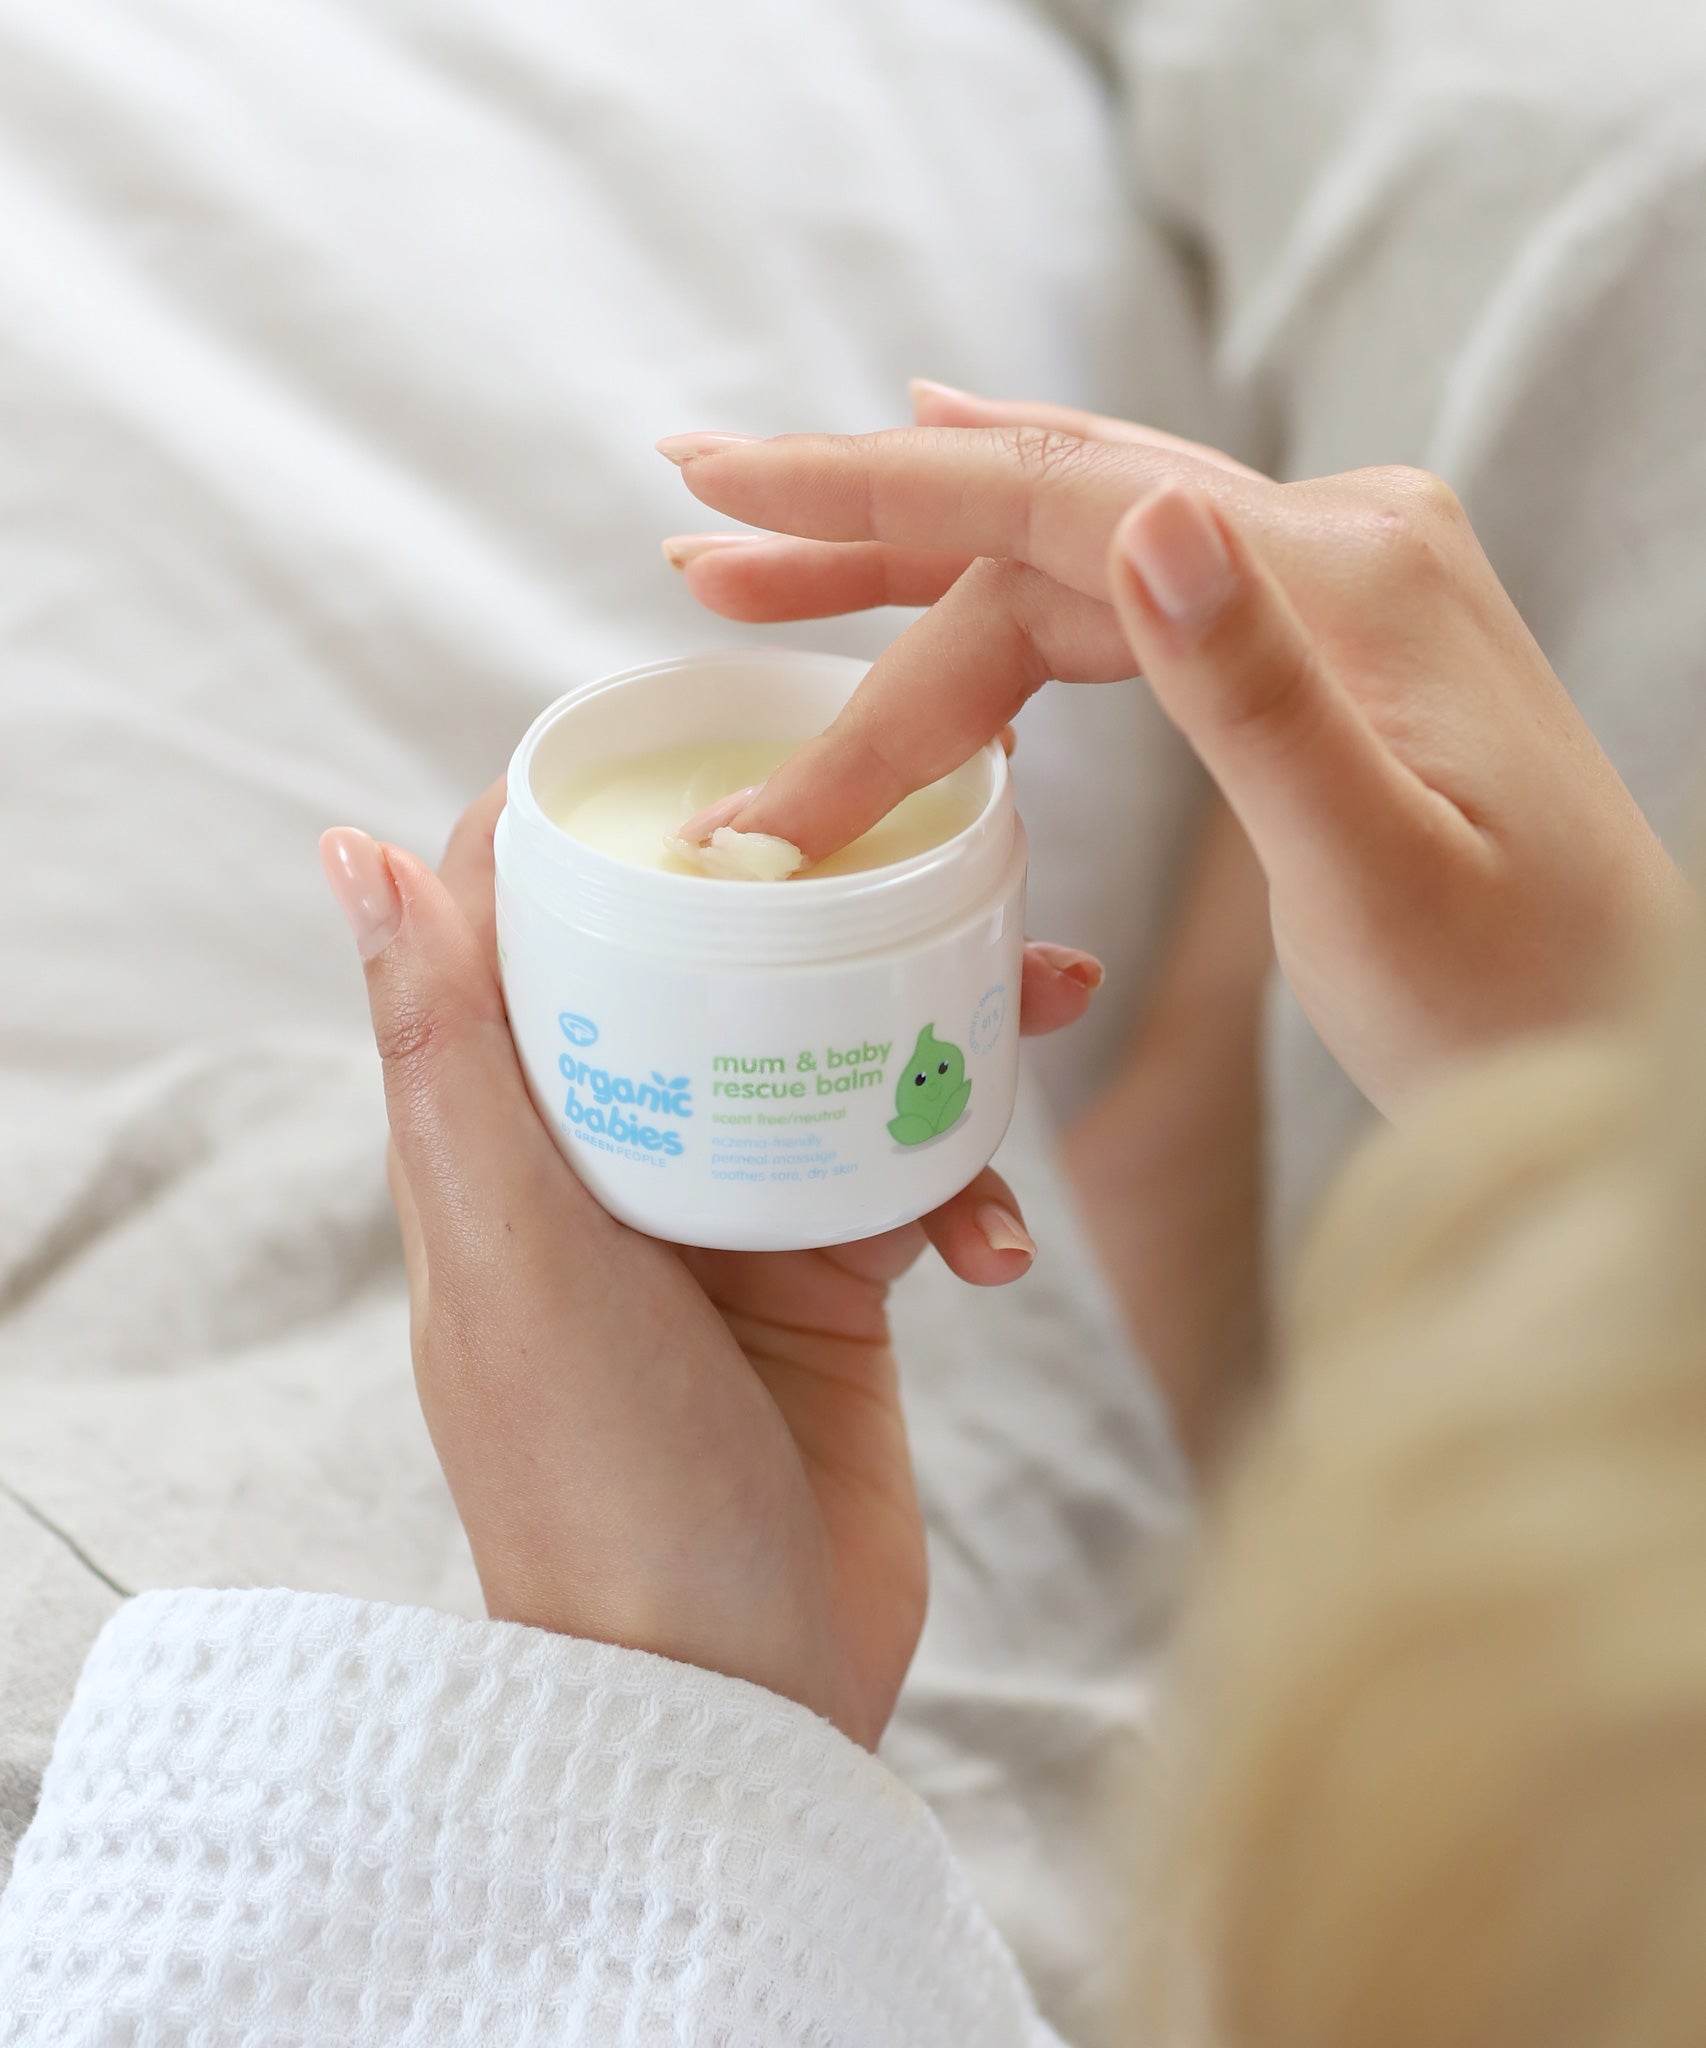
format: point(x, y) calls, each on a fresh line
point(932, 1092)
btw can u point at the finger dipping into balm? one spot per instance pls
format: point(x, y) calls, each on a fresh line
point(732, 1050)
point(634, 809)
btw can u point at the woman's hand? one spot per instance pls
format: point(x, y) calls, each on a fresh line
point(1450, 857)
point(696, 1453)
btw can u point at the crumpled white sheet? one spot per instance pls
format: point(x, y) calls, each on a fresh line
point(333, 334)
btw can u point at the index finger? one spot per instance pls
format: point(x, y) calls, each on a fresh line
point(936, 695)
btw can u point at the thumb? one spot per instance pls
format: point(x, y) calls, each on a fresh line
point(470, 1144)
point(1234, 667)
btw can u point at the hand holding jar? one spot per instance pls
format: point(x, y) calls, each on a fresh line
point(699, 1453)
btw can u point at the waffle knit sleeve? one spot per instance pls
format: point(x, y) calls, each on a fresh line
point(291, 1818)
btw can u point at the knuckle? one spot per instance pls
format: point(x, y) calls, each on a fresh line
point(1420, 496)
point(1412, 521)
point(409, 1035)
point(1014, 593)
point(864, 752)
point(1044, 454)
point(418, 1052)
point(997, 580)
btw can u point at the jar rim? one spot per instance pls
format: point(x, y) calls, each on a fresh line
point(813, 917)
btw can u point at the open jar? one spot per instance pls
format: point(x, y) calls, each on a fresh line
point(757, 1066)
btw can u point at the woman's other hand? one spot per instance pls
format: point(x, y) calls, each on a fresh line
point(696, 1453)
point(1451, 859)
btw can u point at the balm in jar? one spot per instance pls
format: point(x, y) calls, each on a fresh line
point(750, 1065)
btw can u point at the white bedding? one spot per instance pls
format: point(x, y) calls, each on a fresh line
point(333, 336)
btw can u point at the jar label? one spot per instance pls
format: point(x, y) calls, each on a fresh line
point(766, 1108)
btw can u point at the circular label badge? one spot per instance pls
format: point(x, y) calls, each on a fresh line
point(984, 1031)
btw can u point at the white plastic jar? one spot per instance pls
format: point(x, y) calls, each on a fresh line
point(757, 1066)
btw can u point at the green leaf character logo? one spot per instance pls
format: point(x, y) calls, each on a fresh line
point(932, 1092)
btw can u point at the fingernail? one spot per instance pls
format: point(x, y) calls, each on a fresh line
point(723, 812)
point(683, 548)
point(927, 387)
point(1176, 546)
point(361, 881)
point(1003, 1232)
point(682, 448)
point(1083, 968)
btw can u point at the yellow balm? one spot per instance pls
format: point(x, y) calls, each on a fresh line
point(632, 808)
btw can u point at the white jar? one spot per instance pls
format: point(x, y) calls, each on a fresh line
point(732, 1064)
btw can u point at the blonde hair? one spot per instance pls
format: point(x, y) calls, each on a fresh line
point(1438, 1759)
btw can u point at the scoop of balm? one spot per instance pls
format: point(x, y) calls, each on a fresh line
point(731, 856)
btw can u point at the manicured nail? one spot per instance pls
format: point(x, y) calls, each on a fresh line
point(723, 812)
point(682, 448)
point(1003, 1232)
point(927, 387)
point(361, 881)
point(683, 548)
point(1176, 546)
point(1083, 968)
